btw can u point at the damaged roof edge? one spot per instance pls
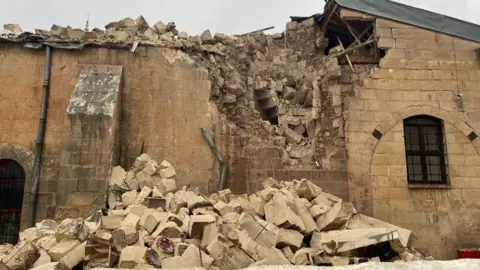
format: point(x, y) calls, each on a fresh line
point(414, 16)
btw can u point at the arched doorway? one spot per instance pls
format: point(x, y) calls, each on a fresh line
point(12, 182)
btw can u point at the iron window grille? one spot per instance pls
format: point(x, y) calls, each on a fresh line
point(12, 181)
point(425, 150)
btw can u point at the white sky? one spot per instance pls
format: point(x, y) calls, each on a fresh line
point(193, 16)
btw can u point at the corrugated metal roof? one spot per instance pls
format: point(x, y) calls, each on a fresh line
point(414, 16)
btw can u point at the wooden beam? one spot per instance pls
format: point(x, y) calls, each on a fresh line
point(258, 31)
point(346, 56)
point(325, 24)
point(364, 60)
point(361, 35)
point(370, 41)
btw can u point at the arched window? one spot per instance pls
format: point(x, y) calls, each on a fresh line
point(425, 150)
point(12, 182)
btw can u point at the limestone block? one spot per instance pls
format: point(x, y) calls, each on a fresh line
point(193, 257)
point(207, 37)
point(145, 215)
point(43, 259)
point(289, 92)
point(47, 226)
point(118, 176)
point(94, 222)
point(287, 251)
point(197, 224)
point(167, 185)
point(58, 30)
point(166, 170)
point(292, 136)
point(20, 257)
point(125, 236)
point(210, 231)
point(227, 255)
point(172, 262)
point(264, 236)
point(161, 28)
point(306, 189)
point(146, 191)
point(72, 229)
point(141, 23)
point(290, 238)
point(308, 221)
point(129, 197)
point(136, 209)
point(336, 216)
point(62, 248)
point(359, 221)
point(130, 220)
point(168, 229)
point(257, 204)
point(46, 242)
point(316, 210)
point(30, 234)
point(13, 28)
point(280, 211)
point(261, 85)
point(145, 175)
point(346, 240)
point(75, 256)
point(156, 203)
point(111, 222)
point(131, 181)
point(153, 219)
point(140, 162)
point(131, 256)
point(182, 35)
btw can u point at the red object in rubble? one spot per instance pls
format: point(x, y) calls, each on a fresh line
point(467, 253)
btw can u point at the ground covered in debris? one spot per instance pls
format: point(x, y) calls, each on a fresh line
point(149, 222)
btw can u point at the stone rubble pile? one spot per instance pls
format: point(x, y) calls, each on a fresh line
point(150, 223)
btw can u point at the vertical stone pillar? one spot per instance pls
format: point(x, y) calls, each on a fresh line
point(90, 145)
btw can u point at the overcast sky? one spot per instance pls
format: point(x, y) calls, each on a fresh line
point(193, 16)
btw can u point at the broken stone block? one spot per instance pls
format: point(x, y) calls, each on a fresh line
point(111, 222)
point(94, 222)
point(20, 257)
point(166, 170)
point(227, 255)
point(346, 240)
point(62, 248)
point(290, 238)
point(182, 35)
point(169, 230)
point(30, 234)
point(167, 185)
point(136, 209)
point(306, 189)
point(140, 162)
point(308, 221)
point(281, 212)
point(72, 229)
point(131, 181)
point(257, 204)
point(131, 256)
point(279, 141)
point(141, 23)
point(210, 231)
point(359, 221)
point(336, 216)
point(153, 219)
point(193, 257)
point(172, 262)
point(316, 210)
point(197, 224)
point(292, 136)
point(130, 220)
point(58, 30)
point(300, 129)
point(261, 85)
point(151, 34)
point(230, 99)
point(161, 28)
point(75, 256)
point(14, 28)
point(289, 92)
point(129, 197)
point(43, 33)
point(156, 203)
point(43, 259)
point(47, 242)
point(220, 37)
point(264, 236)
point(207, 37)
point(125, 236)
point(121, 36)
point(76, 34)
point(146, 191)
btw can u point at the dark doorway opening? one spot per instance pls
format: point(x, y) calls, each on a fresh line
point(12, 183)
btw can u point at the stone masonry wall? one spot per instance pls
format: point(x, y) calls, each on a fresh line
point(164, 105)
point(421, 73)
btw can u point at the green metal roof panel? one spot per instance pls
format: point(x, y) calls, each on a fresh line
point(414, 16)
